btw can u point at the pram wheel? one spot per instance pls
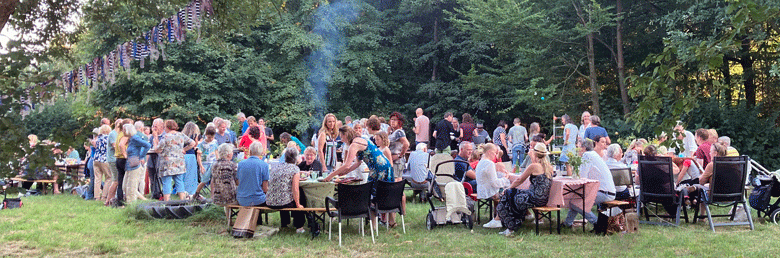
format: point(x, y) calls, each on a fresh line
point(775, 216)
point(468, 221)
point(429, 222)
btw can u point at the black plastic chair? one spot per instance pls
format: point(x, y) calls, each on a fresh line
point(388, 200)
point(354, 202)
point(656, 178)
point(726, 189)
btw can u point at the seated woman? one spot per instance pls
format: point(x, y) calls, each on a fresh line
point(717, 150)
point(488, 182)
point(224, 179)
point(515, 203)
point(310, 162)
point(252, 178)
point(614, 154)
point(283, 190)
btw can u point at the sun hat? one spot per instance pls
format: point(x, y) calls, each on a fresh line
point(540, 148)
point(96, 131)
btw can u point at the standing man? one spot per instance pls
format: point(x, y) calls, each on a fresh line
point(480, 135)
point(242, 119)
point(443, 133)
point(269, 133)
point(518, 136)
point(421, 127)
point(689, 141)
point(348, 121)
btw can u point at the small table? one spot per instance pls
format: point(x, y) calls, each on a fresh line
point(565, 191)
point(316, 192)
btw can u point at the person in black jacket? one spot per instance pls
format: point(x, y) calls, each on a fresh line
point(444, 133)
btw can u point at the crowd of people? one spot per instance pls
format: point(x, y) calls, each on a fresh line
point(184, 162)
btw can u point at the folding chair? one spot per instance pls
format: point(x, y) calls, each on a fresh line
point(657, 180)
point(354, 202)
point(388, 200)
point(726, 189)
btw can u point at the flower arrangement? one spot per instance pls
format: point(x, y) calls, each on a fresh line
point(575, 160)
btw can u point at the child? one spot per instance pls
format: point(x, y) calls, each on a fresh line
point(207, 155)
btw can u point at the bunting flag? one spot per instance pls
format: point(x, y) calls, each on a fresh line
point(102, 70)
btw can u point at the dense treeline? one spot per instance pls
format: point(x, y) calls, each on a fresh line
point(641, 65)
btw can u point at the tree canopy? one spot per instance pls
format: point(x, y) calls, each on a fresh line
point(640, 65)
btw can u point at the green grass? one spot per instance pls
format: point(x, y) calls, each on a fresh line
point(64, 225)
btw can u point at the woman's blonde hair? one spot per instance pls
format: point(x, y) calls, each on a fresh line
point(332, 132)
point(105, 129)
point(382, 139)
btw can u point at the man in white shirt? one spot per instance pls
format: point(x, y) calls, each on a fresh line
point(593, 167)
point(419, 177)
point(689, 141)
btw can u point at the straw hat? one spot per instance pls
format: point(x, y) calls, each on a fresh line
point(540, 148)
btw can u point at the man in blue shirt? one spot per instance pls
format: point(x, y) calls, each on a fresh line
point(596, 129)
point(242, 119)
point(463, 171)
point(253, 178)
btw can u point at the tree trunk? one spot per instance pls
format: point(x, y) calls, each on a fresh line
point(749, 73)
point(435, 40)
point(620, 62)
point(726, 70)
point(7, 7)
point(594, 87)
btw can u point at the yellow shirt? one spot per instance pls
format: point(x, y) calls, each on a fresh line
point(732, 152)
point(118, 149)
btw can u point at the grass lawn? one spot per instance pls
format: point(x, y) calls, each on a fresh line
point(65, 225)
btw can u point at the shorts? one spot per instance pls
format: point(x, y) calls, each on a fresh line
point(398, 170)
point(114, 171)
point(207, 176)
point(178, 181)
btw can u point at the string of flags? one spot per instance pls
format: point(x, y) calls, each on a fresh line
point(151, 44)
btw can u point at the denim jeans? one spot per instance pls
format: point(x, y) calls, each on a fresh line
point(518, 154)
point(589, 216)
point(90, 193)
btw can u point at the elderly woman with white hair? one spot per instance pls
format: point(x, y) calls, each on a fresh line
point(136, 152)
point(284, 191)
point(224, 178)
point(253, 177)
point(613, 155)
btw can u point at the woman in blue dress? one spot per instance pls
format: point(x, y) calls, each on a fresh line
point(570, 132)
point(361, 149)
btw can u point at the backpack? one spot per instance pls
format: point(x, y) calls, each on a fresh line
point(759, 198)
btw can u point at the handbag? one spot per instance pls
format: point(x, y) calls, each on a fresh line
point(246, 223)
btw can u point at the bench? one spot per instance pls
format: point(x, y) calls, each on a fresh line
point(546, 212)
point(318, 213)
point(42, 181)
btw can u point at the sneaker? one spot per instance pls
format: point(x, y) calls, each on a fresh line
point(506, 232)
point(300, 231)
point(493, 224)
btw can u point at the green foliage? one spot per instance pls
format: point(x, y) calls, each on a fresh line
point(68, 121)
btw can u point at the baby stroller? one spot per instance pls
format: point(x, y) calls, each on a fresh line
point(446, 189)
point(765, 186)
